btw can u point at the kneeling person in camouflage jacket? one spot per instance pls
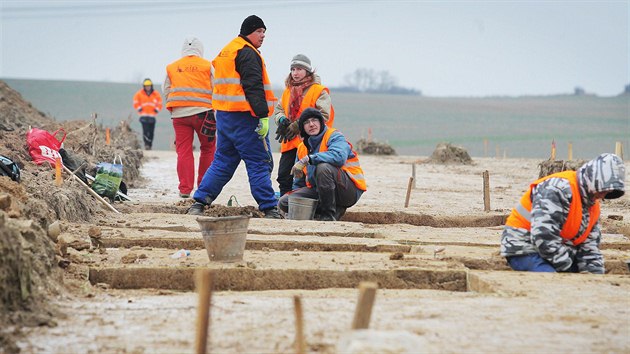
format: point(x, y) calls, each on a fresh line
point(555, 227)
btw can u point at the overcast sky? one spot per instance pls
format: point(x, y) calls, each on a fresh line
point(443, 48)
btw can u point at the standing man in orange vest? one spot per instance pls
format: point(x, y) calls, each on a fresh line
point(188, 92)
point(148, 103)
point(304, 89)
point(555, 227)
point(243, 100)
point(327, 169)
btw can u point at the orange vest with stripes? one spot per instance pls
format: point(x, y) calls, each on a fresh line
point(351, 166)
point(190, 83)
point(148, 103)
point(520, 216)
point(228, 92)
point(309, 100)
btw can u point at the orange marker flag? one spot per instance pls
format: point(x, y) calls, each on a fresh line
point(107, 140)
point(57, 172)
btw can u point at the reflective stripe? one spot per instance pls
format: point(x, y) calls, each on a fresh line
point(524, 212)
point(218, 97)
point(352, 163)
point(192, 89)
point(188, 98)
point(235, 81)
point(268, 87)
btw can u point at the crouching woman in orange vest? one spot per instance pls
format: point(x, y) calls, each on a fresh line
point(555, 227)
point(326, 168)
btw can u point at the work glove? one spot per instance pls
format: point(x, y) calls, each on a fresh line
point(281, 132)
point(156, 111)
point(298, 169)
point(209, 126)
point(140, 110)
point(263, 128)
point(293, 130)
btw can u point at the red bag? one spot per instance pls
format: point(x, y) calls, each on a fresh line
point(43, 146)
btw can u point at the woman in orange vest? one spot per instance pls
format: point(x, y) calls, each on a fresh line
point(303, 90)
point(148, 103)
point(555, 227)
point(188, 92)
point(326, 168)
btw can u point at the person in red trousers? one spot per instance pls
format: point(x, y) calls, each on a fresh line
point(188, 92)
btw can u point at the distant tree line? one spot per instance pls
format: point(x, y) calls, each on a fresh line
point(371, 81)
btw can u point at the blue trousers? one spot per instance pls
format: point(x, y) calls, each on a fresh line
point(236, 140)
point(530, 263)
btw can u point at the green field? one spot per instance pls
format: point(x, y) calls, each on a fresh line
point(413, 125)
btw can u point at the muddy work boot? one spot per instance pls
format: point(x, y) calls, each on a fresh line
point(196, 209)
point(272, 213)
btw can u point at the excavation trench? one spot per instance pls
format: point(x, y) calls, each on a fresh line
point(197, 244)
point(244, 279)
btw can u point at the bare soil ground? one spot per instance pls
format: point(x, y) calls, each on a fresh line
point(78, 278)
point(128, 295)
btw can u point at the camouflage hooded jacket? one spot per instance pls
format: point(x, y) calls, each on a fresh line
point(550, 208)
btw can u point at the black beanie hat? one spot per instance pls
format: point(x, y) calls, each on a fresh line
point(250, 24)
point(310, 113)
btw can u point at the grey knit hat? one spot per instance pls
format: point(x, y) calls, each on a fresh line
point(303, 62)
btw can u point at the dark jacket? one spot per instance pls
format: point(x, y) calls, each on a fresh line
point(249, 67)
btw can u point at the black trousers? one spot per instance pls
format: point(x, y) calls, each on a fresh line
point(148, 127)
point(285, 179)
point(334, 189)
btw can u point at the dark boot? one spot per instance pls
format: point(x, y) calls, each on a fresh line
point(272, 213)
point(196, 209)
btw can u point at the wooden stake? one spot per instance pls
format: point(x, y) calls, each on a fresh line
point(363, 312)
point(486, 191)
point(413, 174)
point(203, 283)
point(300, 343)
point(619, 149)
point(570, 157)
point(408, 191)
point(107, 136)
point(58, 172)
point(553, 150)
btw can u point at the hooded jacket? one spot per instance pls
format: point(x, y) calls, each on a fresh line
point(192, 50)
point(551, 201)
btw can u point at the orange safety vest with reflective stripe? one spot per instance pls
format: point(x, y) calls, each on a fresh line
point(190, 83)
point(147, 103)
point(351, 166)
point(228, 92)
point(309, 100)
point(520, 217)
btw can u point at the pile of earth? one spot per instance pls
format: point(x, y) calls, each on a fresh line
point(549, 167)
point(446, 153)
point(371, 147)
point(31, 256)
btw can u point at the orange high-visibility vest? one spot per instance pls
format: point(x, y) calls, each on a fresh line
point(309, 100)
point(190, 83)
point(351, 166)
point(228, 92)
point(520, 217)
point(147, 103)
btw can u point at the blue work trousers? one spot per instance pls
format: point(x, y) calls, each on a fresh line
point(237, 140)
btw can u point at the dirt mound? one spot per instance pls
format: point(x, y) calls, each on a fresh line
point(445, 153)
point(548, 167)
point(29, 265)
point(371, 147)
